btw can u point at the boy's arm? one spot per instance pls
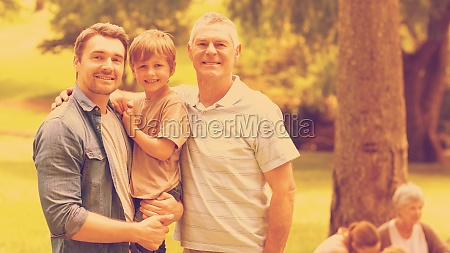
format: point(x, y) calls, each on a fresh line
point(159, 148)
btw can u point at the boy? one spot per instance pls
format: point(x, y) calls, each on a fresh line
point(157, 122)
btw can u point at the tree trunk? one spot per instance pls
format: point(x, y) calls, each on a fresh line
point(424, 74)
point(370, 157)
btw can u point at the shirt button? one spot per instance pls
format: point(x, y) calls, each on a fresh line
point(98, 127)
point(203, 112)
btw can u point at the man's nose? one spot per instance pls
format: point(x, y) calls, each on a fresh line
point(108, 64)
point(211, 49)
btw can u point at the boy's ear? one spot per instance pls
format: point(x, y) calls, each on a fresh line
point(173, 69)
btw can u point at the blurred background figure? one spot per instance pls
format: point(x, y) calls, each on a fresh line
point(394, 249)
point(359, 237)
point(406, 229)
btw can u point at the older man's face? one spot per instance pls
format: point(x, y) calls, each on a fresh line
point(212, 51)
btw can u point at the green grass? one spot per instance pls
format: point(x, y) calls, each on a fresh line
point(27, 231)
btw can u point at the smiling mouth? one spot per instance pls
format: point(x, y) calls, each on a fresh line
point(211, 63)
point(107, 78)
point(152, 81)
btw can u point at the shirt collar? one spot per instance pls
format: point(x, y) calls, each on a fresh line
point(234, 94)
point(83, 100)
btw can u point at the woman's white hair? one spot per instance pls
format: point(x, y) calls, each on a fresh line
point(407, 193)
point(211, 18)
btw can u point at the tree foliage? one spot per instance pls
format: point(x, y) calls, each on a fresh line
point(8, 8)
point(291, 46)
point(72, 16)
point(310, 26)
point(314, 20)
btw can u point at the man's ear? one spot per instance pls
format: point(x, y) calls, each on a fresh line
point(189, 51)
point(237, 52)
point(76, 62)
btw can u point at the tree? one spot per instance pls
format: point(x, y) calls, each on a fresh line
point(425, 25)
point(424, 77)
point(72, 16)
point(370, 157)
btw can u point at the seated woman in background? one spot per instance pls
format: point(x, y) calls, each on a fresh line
point(405, 229)
point(359, 237)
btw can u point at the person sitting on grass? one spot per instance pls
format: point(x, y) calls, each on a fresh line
point(359, 237)
point(394, 249)
point(406, 229)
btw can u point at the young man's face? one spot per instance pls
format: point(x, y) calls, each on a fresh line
point(153, 75)
point(212, 51)
point(101, 66)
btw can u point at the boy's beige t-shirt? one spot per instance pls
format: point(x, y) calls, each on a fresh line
point(164, 117)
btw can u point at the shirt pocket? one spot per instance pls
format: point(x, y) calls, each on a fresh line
point(95, 166)
point(96, 181)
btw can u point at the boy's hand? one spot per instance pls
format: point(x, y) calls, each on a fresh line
point(63, 97)
point(127, 124)
point(120, 102)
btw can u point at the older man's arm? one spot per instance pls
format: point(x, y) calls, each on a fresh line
point(281, 208)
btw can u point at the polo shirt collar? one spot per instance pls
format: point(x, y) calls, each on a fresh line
point(234, 94)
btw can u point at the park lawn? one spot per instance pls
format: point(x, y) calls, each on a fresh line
point(27, 231)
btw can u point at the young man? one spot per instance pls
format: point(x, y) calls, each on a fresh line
point(238, 185)
point(82, 156)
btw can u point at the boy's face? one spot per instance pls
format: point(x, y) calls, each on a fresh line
point(153, 75)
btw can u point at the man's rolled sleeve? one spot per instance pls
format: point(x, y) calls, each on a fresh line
point(58, 156)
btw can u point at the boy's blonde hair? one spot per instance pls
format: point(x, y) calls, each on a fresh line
point(150, 43)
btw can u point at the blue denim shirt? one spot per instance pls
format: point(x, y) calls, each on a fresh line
point(75, 175)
